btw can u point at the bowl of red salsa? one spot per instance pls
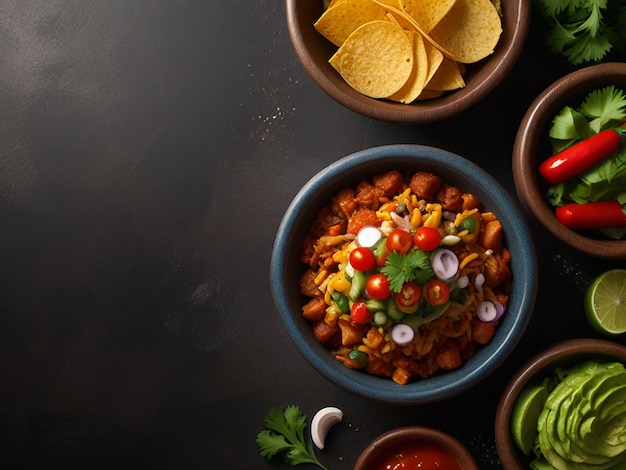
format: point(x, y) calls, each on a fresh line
point(408, 356)
point(416, 447)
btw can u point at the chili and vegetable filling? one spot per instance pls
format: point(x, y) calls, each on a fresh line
point(407, 276)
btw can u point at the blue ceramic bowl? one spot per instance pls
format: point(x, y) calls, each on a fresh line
point(286, 269)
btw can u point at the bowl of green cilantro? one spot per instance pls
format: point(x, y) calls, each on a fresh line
point(566, 128)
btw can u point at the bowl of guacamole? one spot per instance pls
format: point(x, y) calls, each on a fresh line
point(566, 409)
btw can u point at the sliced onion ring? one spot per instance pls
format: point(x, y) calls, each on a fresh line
point(402, 334)
point(480, 280)
point(445, 264)
point(487, 311)
point(499, 309)
point(462, 282)
point(368, 236)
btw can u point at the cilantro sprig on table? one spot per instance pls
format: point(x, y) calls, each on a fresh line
point(584, 31)
point(412, 266)
point(284, 435)
point(603, 108)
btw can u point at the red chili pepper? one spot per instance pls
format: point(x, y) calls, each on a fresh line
point(592, 215)
point(580, 156)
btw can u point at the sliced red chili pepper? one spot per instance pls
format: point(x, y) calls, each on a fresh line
point(436, 292)
point(407, 300)
point(577, 158)
point(592, 215)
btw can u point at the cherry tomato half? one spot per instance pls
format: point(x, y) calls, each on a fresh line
point(400, 241)
point(409, 297)
point(427, 238)
point(436, 292)
point(377, 286)
point(359, 313)
point(362, 259)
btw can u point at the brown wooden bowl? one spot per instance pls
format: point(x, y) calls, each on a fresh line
point(313, 51)
point(532, 145)
point(566, 353)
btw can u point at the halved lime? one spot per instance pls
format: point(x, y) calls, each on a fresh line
point(525, 414)
point(605, 302)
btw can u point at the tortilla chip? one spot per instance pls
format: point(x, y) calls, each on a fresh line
point(400, 21)
point(435, 58)
point(429, 95)
point(393, 3)
point(470, 30)
point(427, 13)
point(376, 59)
point(448, 77)
point(344, 17)
point(409, 49)
point(416, 81)
point(399, 12)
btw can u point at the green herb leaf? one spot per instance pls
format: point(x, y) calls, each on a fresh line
point(584, 31)
point(605, 107)
point(570, 126)
point(412, 266)
point(285, 436)
point(271, 443)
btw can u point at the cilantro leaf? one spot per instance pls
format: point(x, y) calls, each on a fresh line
point(601, 109)
point(284, 435)
point(583, 31)
point(604, 107)
point(565, 124)
point(412, 266)
point(271, 443)
point(568, 127)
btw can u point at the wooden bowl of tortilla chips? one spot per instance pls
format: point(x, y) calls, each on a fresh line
point(408, 60)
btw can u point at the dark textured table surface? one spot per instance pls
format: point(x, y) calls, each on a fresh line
point(148, 150)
